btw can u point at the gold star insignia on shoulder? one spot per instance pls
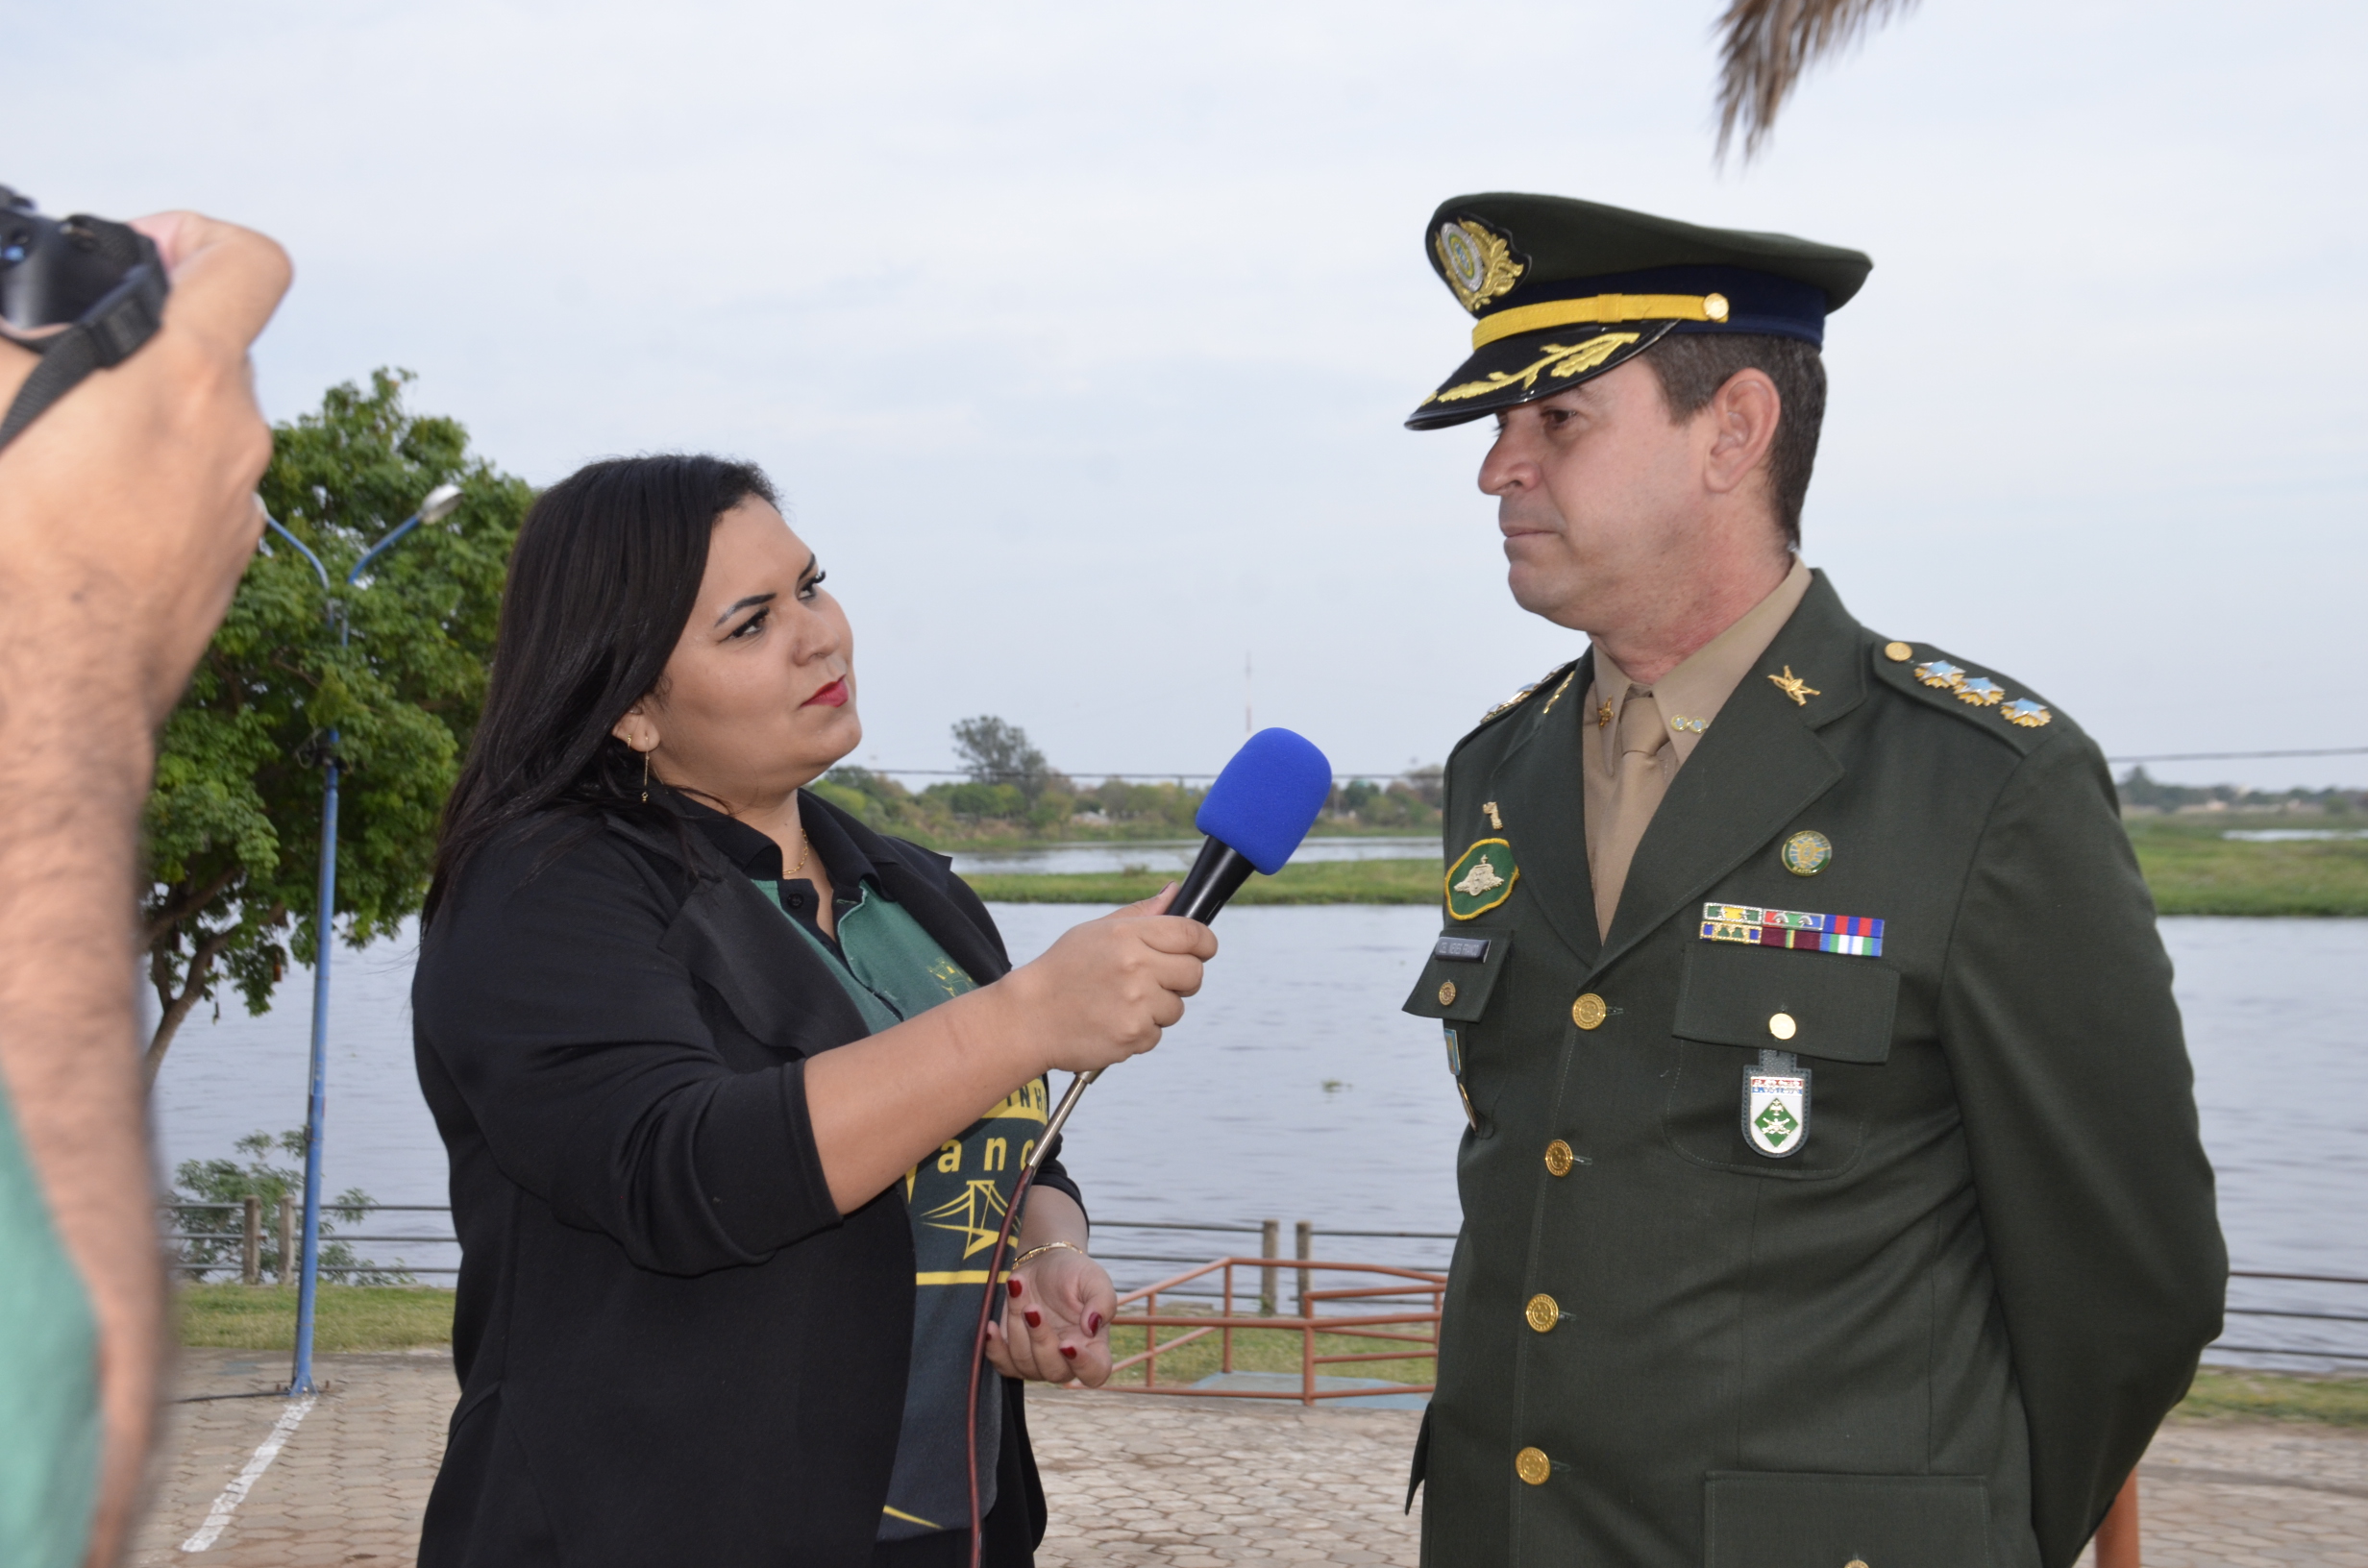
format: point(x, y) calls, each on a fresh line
point(1514, 701)
point(1940, 674)
point(2025, 712)
point(1796, 688)
point(1981, 691)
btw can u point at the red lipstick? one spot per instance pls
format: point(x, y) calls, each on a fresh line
point(832, 695)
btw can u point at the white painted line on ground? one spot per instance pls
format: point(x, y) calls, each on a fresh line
point(218, 1517)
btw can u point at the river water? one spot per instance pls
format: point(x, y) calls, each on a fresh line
point(1295, 1089)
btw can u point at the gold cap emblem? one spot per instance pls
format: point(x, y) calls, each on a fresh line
point(1479, 263)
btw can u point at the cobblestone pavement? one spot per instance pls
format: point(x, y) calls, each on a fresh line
point(1172, 1483)
point(348, 1485)
point(1200, 1483)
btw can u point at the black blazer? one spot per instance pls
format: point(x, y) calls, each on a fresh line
point(672, 1348)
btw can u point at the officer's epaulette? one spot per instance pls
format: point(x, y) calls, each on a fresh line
point(1982, 698)
point(1555, 681)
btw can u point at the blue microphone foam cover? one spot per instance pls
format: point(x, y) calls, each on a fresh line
point(1268, 797)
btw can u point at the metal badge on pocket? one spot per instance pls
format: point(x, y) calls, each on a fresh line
point(1776, 1105)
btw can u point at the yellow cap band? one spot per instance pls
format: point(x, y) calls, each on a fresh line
point(1598, 308)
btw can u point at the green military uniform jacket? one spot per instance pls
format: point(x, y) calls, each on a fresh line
point(1942, 1331)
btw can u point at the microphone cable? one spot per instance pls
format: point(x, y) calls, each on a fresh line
point(986, 1300)
point(1255, 814)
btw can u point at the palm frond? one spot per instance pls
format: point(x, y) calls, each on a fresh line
point(1765, 45)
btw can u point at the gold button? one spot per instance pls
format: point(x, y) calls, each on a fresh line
point(1543, 1311)
point(1897, 653)
point(1782, 1026)
point(1854, 1562)
point(1588, 1010)
point(1533, 1466)
point(1558, 1158)
point(1446, 993)
point(1715, 307)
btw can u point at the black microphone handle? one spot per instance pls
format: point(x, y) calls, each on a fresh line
point(1218, 873)
point(1217, 876)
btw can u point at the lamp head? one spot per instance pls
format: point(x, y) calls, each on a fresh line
point(441, 503)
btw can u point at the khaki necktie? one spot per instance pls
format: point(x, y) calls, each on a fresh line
point(1636, 788)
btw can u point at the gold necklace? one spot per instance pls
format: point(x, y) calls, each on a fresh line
point(804, 851)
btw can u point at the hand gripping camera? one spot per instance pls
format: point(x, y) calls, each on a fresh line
point(81, 292)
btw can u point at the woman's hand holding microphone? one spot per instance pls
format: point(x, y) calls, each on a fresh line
point(1101, 995)
point(1106, 989)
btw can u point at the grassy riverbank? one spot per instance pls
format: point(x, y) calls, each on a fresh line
point(2191, 867)
point(2195, 869)
point(345, 1317)
point(1307, 882)
point(404, 1317)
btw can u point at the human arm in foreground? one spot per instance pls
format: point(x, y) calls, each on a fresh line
point(127, 515)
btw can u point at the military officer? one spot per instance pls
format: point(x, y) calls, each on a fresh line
point(1831, 1195)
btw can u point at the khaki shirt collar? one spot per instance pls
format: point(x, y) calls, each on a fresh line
point(1691, 695)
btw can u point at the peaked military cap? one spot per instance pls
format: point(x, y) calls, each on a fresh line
point(1564, 290)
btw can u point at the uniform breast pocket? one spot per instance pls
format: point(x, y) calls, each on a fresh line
point(1777, 1054)
point(1759, 1519)
point(1455, 986)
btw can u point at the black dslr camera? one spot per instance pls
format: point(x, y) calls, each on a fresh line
point(81, 292)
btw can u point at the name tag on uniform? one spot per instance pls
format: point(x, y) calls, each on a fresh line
point(1462, 949)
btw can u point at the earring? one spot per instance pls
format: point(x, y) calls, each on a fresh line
point(644, 778)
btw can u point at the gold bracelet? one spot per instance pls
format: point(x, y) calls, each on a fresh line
point(1050, 1246)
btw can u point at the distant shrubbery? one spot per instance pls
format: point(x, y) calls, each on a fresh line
point(2142, 794)
point(1012, 791)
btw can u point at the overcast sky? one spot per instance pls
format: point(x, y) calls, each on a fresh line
point(1078, 336)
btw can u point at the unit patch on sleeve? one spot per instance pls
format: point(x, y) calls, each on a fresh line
point(1481, 878)
point(1859, 936)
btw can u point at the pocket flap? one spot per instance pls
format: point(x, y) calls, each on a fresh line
point(1766, 1519)
point(1841, 1007)
point(1460, 974)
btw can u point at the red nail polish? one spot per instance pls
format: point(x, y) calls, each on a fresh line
point(1070, 1351)
point(1035, 1319)
point(1015, 1287)
point(1092, 1323)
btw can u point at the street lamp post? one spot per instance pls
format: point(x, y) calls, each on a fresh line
point(439, 504)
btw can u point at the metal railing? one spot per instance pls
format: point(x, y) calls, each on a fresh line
point(1311, 1321)
point(2326, 1319)
point(2307, 1307)
point(249, 1234)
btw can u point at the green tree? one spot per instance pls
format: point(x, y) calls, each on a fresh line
point(235, 821)
point(993, 751)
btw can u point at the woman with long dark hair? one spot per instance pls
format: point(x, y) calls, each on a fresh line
point(736, 1090)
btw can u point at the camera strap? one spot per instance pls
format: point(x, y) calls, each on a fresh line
point(109, 334)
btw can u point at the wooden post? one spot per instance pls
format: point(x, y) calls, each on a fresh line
point(1270, 1245)
point(1307, 1249)
point(287, 1239)
point(251, 1253)
point(2117, 1537)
